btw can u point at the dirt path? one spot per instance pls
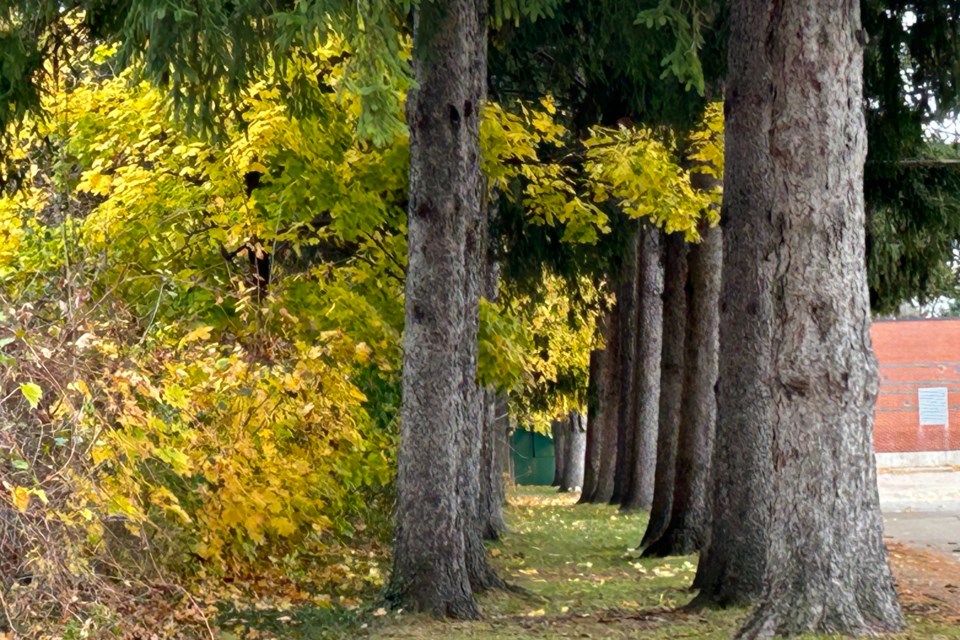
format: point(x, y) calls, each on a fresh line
point(928, 582)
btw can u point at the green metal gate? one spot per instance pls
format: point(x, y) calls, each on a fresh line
point(532, 458)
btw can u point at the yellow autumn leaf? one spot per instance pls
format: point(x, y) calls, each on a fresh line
point(20, 497)
point(99, 453)
point(200, 333)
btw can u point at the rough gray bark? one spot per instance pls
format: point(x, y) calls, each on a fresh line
point(591, 465)
point(430, 570)
point(609, 412)
point(687, 528)
point(732, 563)
point(575, 452)
point(626, 310)
point(671, 382)
point(826, 565)
point(559, 429)
point(476, 283)
point(507, 429)
point(646, 374)
point(493, 466)
point(492, 463)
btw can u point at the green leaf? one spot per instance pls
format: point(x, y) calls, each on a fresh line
point(22, 465)
point(32, 392)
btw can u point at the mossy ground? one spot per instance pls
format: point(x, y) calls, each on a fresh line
point(583, 579)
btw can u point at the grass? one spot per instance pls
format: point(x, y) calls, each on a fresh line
point(584, 581)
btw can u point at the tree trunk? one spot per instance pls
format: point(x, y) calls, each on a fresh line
point(559, 430)
point(626, 363)
point(505, 441)
point(493, 429)
point(493, 467)
point(646, 373)
point(591, 467)
point(605, 423)
point(731, 565)
point(476, 284)
point(575, 453)
point(826, 565)
point(687, 528)
point(432, 530)
point(671, 383)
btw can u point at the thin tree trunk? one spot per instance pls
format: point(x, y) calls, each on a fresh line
point(626, 362)
point(646, 373)
point(826, 565)
point(591, 470)
point(492, 494)
point(671, 383)
point(476, 284)
point(575, 452)
point(687, 528)
point(493, 431)
point(506, 430)
point(608, 419)
point(432, 530)
point(559, 430)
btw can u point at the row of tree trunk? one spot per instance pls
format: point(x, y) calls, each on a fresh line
point(652, 389)
point(774, 366)
point(785, 510)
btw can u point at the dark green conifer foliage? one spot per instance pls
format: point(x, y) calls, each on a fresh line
point(912, 185)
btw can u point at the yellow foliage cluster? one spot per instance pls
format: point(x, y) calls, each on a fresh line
point(236, 452)
point(159, 415)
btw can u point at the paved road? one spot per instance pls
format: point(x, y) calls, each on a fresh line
point(922, 509)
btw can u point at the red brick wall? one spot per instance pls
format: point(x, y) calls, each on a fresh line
point(913, 354)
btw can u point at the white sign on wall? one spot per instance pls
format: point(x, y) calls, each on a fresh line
point(932, 402)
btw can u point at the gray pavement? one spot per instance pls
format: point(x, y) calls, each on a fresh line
point(922, 509)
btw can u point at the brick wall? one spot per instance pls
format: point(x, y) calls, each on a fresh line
point(913, 354)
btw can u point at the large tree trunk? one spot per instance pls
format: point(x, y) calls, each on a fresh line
point(575, 452)
point(432, 530)
point(731, 565)
point(687, 528)
point(608, 419)
point(671, 382)
point(826, 565)
point(626, 362)
point(646, 374)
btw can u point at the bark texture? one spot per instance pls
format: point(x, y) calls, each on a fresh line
point(688, 524)
point(494, 418)
point(560, 430)
point(575, 452)
point(476, 284)
point(606, 422)
point(626, 363)
point(826, 565)
point(493, 469)
point(646, 374)
point(433, 532)
point(591, 466)
point(732, 564)
point(671, 382)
